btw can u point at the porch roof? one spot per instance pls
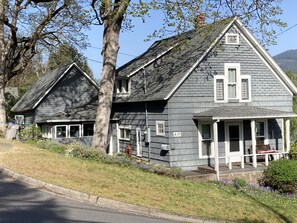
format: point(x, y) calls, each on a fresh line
point(241, 112)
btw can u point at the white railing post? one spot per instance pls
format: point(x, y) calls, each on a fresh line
point(288, 141)
point(230, 163)
point(253, 130)
point(242, 162)
point(266, 159)
point(216, 149)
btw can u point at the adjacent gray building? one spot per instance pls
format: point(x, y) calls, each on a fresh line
point(63, 103)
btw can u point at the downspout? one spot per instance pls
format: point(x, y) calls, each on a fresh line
point(146, 115)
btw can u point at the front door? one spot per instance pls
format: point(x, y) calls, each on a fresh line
point(234, 141)
point(138, 142)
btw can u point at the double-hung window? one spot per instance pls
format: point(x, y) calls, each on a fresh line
point(232, 86)
point(125, 132)
point(206, 145)
point(160, 128)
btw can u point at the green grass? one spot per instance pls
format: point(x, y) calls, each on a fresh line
point(186, 197)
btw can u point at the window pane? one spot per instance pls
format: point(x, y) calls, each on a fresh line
point(74, 131)
point(122, 133)
point(232, 90)
point(88, 129)
point(160, 128)
point(206, 148)
point(220, 89)
point(127, 133)
point(260, 129)
point(206, 131)
point(232, 38)
point(61, 132)
point(245, 89)
point(231, 75)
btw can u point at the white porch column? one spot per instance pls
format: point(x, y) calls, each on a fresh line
point(283, 135)
point(253, 131)
point(288, 141)
point(216, 148)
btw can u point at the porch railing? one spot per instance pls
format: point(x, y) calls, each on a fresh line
point(275, 155)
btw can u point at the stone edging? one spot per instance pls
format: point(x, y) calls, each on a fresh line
point(102, 202)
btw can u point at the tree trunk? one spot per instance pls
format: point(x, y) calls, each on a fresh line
point(110, 53)
point(2, 107)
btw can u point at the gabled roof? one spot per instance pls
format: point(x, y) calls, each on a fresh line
point(175, 58)
point(36, 93)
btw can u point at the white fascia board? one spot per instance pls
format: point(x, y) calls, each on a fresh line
point(199, 60)
point(151, 61)
point(48, 90)
point(268, 60)
point(255, 117)
point(74, 120)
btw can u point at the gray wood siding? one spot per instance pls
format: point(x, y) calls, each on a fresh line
point(133, 114)
point(72, 90)
point(196, 95)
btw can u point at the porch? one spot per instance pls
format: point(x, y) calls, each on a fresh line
point(230, 141)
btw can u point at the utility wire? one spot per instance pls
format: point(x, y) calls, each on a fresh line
point(286, 30)
point(99, 48)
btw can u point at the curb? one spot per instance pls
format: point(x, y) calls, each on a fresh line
point(102, 202)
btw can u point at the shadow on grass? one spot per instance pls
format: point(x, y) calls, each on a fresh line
point(275, 212)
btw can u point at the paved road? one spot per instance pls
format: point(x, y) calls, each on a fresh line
point(20, 203)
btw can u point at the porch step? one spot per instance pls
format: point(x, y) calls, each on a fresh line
point(206, 170)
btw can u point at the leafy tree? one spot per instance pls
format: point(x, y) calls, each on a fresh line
point(26, 25)
point(293, 125)
point(178, 16)
point(66, 54)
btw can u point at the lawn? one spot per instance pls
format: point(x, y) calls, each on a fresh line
point(131, 185)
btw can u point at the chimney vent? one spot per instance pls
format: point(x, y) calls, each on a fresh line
point(200, 20)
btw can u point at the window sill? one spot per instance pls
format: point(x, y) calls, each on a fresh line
point(124, 139)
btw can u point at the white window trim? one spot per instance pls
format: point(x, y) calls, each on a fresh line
point(239, 77)
point(82, 129)
point(266, 140)
point(118, 93)
point(17, 117)
point(124, 127)
point(232, 34)
point(157, 129)
point(47, 135)
point(79, 131)
point(200, 140)
point(66, 131)
point(248, 77)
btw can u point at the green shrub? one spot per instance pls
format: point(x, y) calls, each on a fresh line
point(238, 183)
point(31, 132)
point(281, 175)
point(293, 151)
point(49, 145)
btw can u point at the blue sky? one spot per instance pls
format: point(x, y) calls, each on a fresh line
point(132, 42)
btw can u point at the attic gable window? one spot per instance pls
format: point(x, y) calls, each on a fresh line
point(232, 38)
point(122, 87)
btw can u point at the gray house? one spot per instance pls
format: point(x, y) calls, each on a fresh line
point(63, 103)
point(206, 97)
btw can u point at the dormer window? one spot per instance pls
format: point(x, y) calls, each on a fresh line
point(122, 87)
point(232, 38)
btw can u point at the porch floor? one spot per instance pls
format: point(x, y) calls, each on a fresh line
point(206, 173)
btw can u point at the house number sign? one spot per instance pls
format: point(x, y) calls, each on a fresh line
point(176, 134)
